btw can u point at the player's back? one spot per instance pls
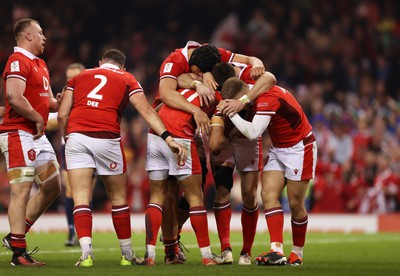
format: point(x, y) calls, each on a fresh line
point(100, 96)
point(289, 123)
point(180, 123)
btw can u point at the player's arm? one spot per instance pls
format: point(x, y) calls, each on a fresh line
point(193, 81)
point(53, 102)
point(139, 101)
point(217, 140)
point(172, 98)
point(257, 65)
point(264, 83)
point(15, 94)
point(64, 110)
point(252, 130)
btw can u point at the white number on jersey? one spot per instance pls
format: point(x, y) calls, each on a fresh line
point(93, 94)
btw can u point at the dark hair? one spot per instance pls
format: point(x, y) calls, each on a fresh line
point(21, 25)
point(205, 57)
point(232, 87)
point(114, 55)
point(221, 72)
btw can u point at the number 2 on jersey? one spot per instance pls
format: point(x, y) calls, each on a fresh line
point(93, 94)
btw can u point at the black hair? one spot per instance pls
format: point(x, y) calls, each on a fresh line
point(221, 72)
point(205, 57)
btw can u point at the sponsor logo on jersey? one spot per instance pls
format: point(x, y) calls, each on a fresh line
point(181, 163)
point(113, 165)
point(262, 104)
point(168, 67)
point(14, 67)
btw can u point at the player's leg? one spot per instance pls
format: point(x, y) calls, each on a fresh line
point(47, 176)
point(80, 180)
point(170, 225)
point(191, 185)
point(120, 213)
point(249, 217)
point(20, 156)
point(296, 191)
point(48, 179)
point(81, 165)
point(249, 163)
point(159, 161)
point(273, 183)
point(154, 212)
point(223, 178)
point(303, 156)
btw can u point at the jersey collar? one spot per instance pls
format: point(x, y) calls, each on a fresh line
point(189, 44)
point(24, 52)
point(109, 65)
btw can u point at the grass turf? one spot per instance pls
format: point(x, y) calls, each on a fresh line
point(324, 254)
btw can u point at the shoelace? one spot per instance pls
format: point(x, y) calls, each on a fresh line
point(183, 247)
point(33, 251)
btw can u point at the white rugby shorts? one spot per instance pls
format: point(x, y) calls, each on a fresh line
point(106, 156)
point(20, 150)
point(298, 162)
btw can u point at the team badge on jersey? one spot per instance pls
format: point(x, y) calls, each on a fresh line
point(14, 67)
point(32, 154)
point(168, 67)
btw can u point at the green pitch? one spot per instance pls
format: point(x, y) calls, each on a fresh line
point(325, 254)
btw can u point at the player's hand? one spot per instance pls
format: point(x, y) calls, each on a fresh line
point(230, 107)
point(179, 150)
point(209, 81)
point(59, 97)
point(39, 129)
point(257, 70)
point(2, 112)
point(206, 95)
point(203, 122)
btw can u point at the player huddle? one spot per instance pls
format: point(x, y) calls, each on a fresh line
point(206, 95)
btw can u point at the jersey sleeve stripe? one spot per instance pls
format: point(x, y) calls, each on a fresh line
point(269, 113)
point(16, 76)
point(168, 76)
point(135, 91)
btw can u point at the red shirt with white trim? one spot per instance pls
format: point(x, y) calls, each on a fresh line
point(180, 123)
point(289, 124)
point(101, 95)
point(25, 66)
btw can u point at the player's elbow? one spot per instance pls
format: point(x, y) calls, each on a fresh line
point(214, 147)
point(251, 135)
point(271, 77)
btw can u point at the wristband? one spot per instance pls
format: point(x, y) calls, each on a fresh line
point(195, 83)
point(165, 134)
point(244, 99)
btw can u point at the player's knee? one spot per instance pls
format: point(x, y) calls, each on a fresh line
point(249, 198)
point(223, 176)
point(296, 207)
point(47, 173)
point(21, 174)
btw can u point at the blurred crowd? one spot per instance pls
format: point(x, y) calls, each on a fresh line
point(341, 59)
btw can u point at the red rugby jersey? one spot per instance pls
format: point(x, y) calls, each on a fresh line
point(100, 96)
point(33, 70)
